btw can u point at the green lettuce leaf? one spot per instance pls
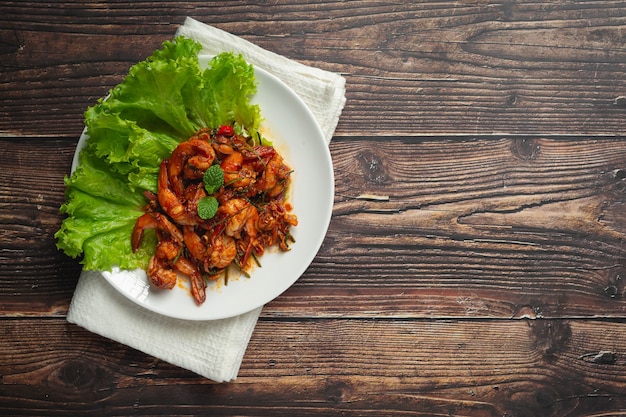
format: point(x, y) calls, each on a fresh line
point(160, 103)
point(152, 92)
point(225, 99)
point(99, 202)
point(128, 148)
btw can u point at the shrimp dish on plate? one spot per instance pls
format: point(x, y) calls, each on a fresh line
point(220, 201)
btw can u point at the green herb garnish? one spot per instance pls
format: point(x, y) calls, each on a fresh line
point(213, 179)
point(207, 207)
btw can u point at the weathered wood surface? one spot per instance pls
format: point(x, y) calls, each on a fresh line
point(476, 258)
point(413, 68)
point(467, 228)
point(329, 367)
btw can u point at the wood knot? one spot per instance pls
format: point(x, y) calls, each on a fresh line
point(545, 398)
point(525, 149)
point(619, 174)
point(512, 100)
point(611, 291)
point(10, 45)
point(615, 286)
point(373, 167)
point(78, 374)
point(551, 336)
point(528, 312)
point(338, 392)
point(618, 179)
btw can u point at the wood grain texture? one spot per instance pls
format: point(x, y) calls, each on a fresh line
point(418, 68)
point(475, 261)
point(33, 272)
point(472, 228)
point(329, 367)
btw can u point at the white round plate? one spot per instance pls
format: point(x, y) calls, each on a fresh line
point(292, 128)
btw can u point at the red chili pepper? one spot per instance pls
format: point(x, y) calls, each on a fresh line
point(225, 130)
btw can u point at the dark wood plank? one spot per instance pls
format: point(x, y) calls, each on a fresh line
point(34, 276)
point(536, 224)
point(329, 367)
point(424, 68)
point(471, 228)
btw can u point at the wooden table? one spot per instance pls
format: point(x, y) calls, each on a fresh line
point(488, 278)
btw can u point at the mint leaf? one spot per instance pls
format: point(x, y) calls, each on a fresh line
point(207, 207)
point(213, 179)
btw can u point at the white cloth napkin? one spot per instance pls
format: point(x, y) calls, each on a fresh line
point(213, 349)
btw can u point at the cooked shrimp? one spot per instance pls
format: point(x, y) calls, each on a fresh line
point(225, 144)
point(169, 201)
point(241, 215)
point(216, 255)
point(160, 274)
point(266, 221)
point(190, 158)
point(222, 251)
point(154, 221)
point(193, 243)
point(237, 173)
point(259, 153)
point(274, 176)
point(198, 285)
point(193, 194)
point(159, 271)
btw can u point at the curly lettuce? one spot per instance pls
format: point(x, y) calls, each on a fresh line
point(160, 103)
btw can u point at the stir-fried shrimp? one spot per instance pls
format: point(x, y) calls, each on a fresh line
point(189, 160)
point(240, 215)
point(251, 213)
point(237, 173)
point(274, 176)
point(160, 271)
point(198, 284)
point(193, 194)
point(193, 242)
point(160, 274)
point(222, 252)
point(154, 221)
point(169, 201)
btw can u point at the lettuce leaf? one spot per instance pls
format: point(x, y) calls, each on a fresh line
point(99, 204)
point(127, 148)
point(222, 100)
point(160, 103)
point(153, 90)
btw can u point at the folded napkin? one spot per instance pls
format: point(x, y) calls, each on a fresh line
point(213, 349)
